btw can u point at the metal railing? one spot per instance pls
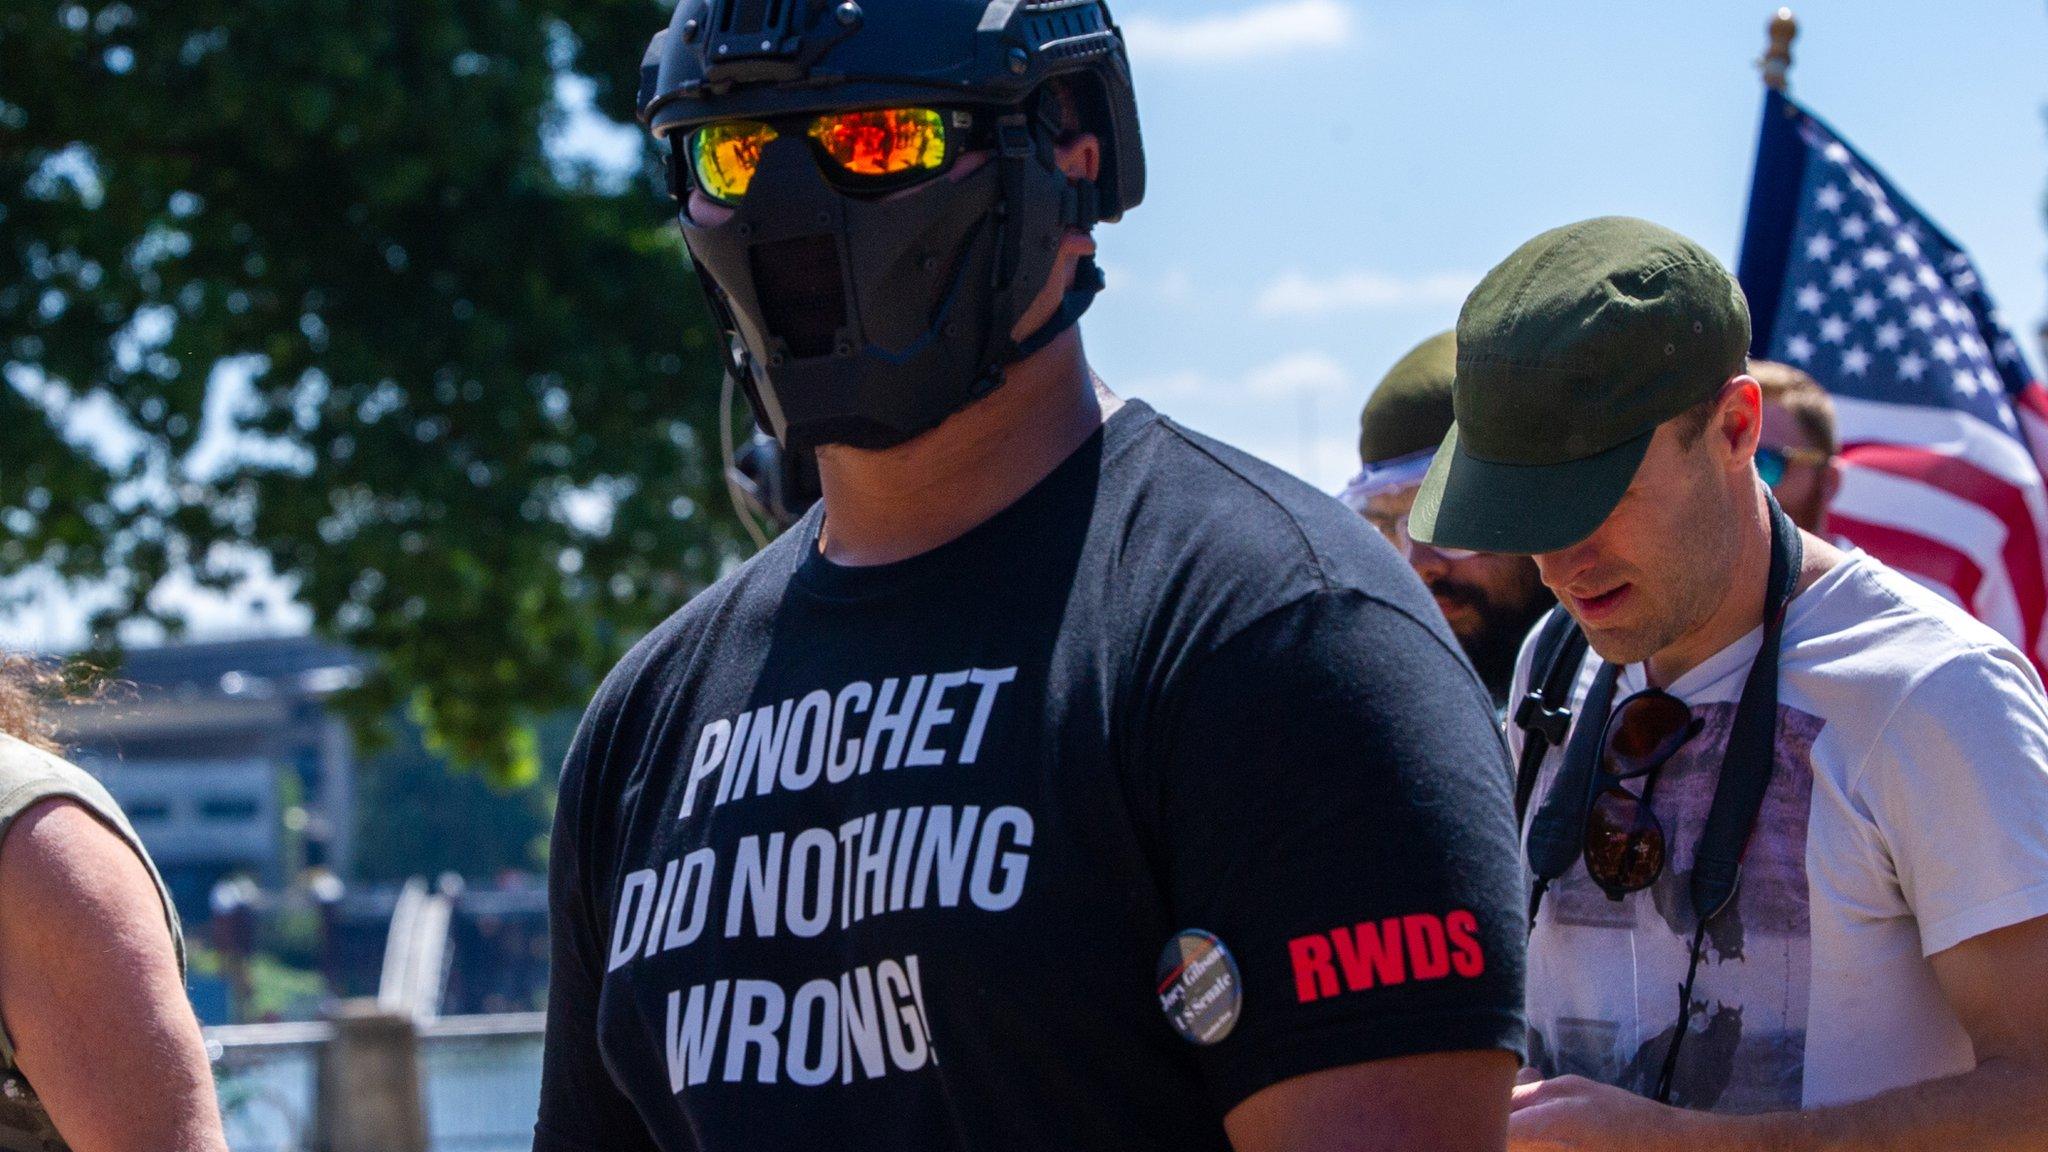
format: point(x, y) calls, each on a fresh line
point(480, 1081)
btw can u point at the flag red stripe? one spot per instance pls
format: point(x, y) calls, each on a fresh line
point(1958, 477)
point(1911, 552)
point(2033, 397)
point(2031, 405)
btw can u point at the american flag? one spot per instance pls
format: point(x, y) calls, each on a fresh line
point(1943, 426)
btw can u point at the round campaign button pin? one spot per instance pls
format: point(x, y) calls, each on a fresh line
point(1199, 987)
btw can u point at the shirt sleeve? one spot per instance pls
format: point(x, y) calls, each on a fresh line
point(1337, 812)
point(581, 1107)
point(1956, 785)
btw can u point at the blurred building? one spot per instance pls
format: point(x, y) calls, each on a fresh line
point(497, 944)
point(226, 759)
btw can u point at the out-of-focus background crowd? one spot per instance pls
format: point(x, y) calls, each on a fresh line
point(358, 407)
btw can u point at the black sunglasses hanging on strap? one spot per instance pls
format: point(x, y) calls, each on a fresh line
point(1557, 836)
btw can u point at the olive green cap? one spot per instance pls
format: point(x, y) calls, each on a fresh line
point(1570, 353)
point(1411, 409)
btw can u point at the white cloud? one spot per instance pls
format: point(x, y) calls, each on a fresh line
point(1295, 294)
point(1252, 33)
point(1177, 286)
point(1293, 376)
point(1303, 372)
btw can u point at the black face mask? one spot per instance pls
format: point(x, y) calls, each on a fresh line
point(868, 321)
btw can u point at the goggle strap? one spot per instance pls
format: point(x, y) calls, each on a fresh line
point(1013, 137)
point(1081, 205)
point(1014, 146)
point(1049, 112)
point(673, 170)
point(1017, 144)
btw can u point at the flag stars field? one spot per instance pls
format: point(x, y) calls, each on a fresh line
point(1940, 433)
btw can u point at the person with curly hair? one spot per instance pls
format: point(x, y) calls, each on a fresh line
point(99, 1048)
point(22, 682)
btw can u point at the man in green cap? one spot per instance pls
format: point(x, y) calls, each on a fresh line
point(1490, 601)
point(1801, 792)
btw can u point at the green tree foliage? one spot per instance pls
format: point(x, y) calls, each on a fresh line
point(417, 817)
point(478, 426)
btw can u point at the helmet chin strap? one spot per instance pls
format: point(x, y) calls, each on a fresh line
point(1024, 139)
point(1079, 210)
point(1087, 282)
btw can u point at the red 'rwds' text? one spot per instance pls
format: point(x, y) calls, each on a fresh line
point(1394, 951)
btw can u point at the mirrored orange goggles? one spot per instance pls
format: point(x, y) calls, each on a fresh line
point(875, 151)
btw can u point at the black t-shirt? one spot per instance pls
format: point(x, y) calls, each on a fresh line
point(920, 856)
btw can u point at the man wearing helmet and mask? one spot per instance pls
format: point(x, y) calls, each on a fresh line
point(1063, 779)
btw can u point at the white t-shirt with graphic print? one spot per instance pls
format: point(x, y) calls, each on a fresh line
point(1907, 813)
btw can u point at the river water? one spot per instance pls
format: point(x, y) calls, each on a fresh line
point(480, 1097)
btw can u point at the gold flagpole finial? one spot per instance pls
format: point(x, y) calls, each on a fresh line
point(1777, 59)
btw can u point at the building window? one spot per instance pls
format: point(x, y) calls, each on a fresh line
point(306, 758)
point(229, 808)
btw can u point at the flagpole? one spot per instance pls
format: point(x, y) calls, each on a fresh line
point(1777, 61)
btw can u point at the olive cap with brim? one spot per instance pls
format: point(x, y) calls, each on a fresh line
point(1570, 353)
point(1411, 408)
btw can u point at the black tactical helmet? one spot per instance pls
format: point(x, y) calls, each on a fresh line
point(866, 318)
point(778, 57)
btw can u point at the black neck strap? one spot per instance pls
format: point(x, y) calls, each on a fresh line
point(1557, 836)
point(1746, 767)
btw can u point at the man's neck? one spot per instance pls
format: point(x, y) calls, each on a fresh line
point(1742, 605)
point(890, 505)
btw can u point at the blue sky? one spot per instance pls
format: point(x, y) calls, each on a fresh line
point(1328, 178)
point(1407, 148)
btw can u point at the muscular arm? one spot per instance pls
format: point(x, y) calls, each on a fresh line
point(1993, 981)
point(1339, 792)
point(1448, 1101)
point(90, 991)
